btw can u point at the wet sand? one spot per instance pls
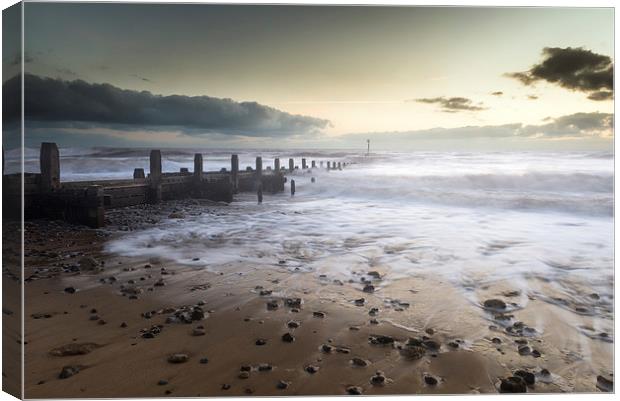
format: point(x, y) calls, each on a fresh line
point(147, 327)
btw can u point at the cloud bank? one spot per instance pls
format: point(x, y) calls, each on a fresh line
point(579, 126)
point(69, 103)
point(573, 68)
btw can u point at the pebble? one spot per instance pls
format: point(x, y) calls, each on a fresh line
point(524, 350)
point(359, 362)
point(264, 367)
point(68, 371)
point(430, 380)
point(604, 384)
point(178, 358)
point(369, 288)
point(272, 305)
point(293, 302)
point(378, 379)
point(198, 332)
point(374, 274)
point(528, 377)
point(494, 304)
point(293, 324)
point(359, 302)
point(204, 361)
point(261, 341)
point(320, 315)
point(282, 385)
point(382, 340)
point(225, 386)
point(514, 384)
point(162, 382)
point(73, 349)
point(288, 338)
point(244, 374)
point(354, 390)
point(312, 369)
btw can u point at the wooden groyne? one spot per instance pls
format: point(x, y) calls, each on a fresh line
point(85, 202)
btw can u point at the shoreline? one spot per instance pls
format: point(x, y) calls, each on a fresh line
point(436, 342)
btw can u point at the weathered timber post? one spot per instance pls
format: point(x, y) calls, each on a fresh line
point(50, 166)
point(234, 172)
point(321, 163)
point(94, 213)
point(259, 192)
point(313, 164)
point(138, 173)
point(276, 165)
point(155, 177)
point(339, 166)
point(303, 164)
point(291, 164)
point(184, 170)
point(328, 165)
point(312, 180)
point(258, 176)
point(292, 187)
point(196, 185)
point(259, 167)
point(198, 167)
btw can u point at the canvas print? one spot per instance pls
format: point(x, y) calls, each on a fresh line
point(208, 200)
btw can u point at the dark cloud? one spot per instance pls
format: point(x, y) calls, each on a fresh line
point(498, 93)
point(66, 71)
point(141, 78)
point(65, 103)
point(601, 95)
point(573, 68)
point(17, 59)
point(452, 104)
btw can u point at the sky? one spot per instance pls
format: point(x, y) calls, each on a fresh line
point(328, 76)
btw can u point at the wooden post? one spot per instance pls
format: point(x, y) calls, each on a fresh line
point(291, 164)
point(303, 164)
point(155, 176)
point(292, 187)
point(313, 164)
point(184, 170)
point(198, 167)
point(321, 163)
point(312, 180)
point(276, 165)
point(94, 213)
point(259, 167)
point(50, 166)
point(259, 192)
point(138, 173)
point(234, 172)
point(339, 166)
point(328, 165)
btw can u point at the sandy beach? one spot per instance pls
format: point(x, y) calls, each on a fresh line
point(99, 325)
